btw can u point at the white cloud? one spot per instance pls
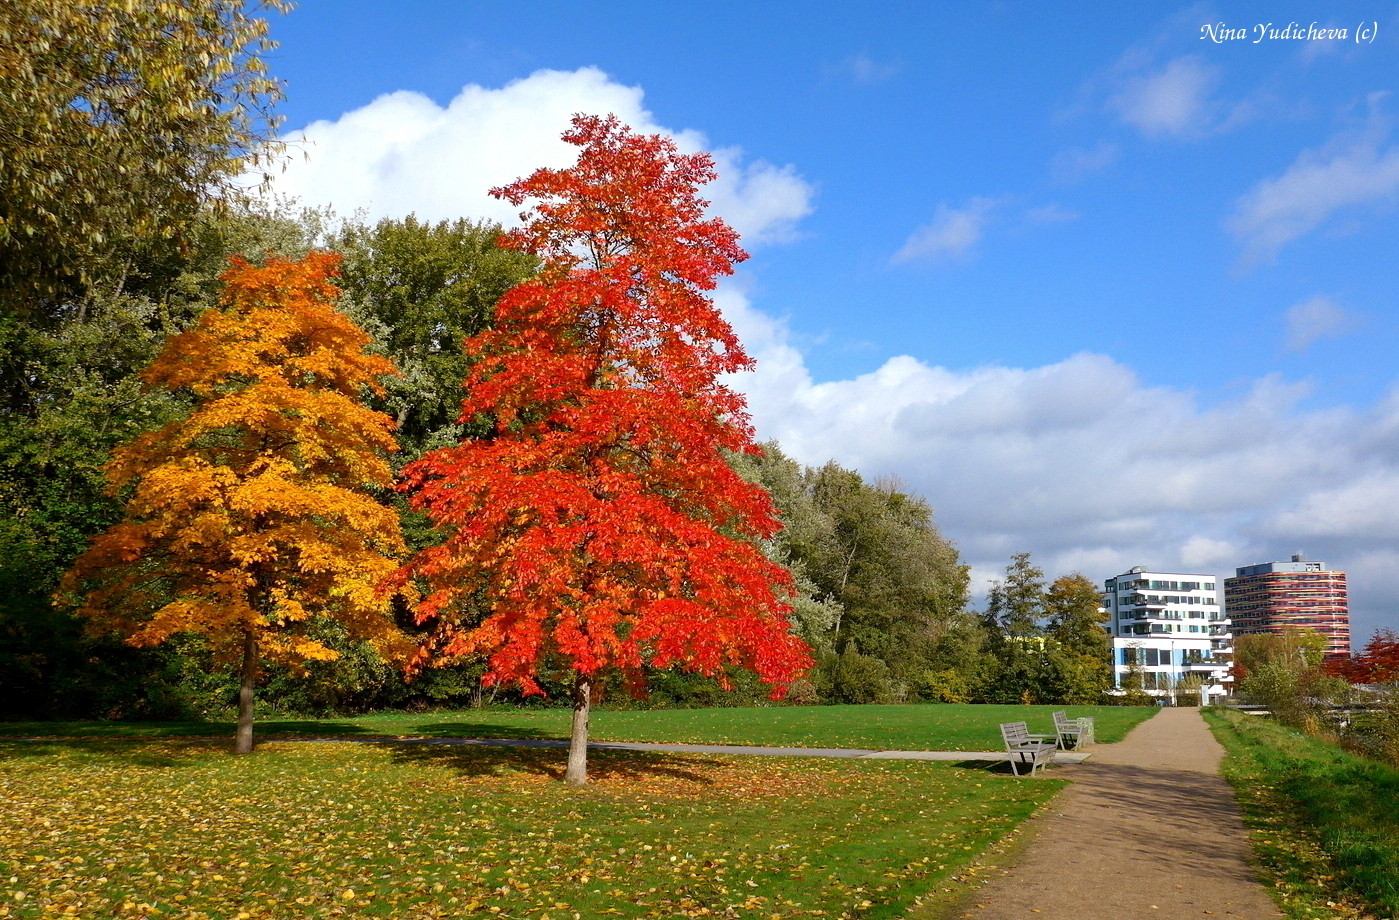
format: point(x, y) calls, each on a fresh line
point(1077, 462)
point(1083, 465)
point(1362, 506)
point(865, 70)
point(1171, 101)
point(1076, 163)
point(1052, 213)
point(1205, 554)
point(1318, 318)
point(1354, 170)
point(953, 233)
point(403, 153)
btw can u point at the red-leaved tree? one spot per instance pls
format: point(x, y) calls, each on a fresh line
point(598, 525)
point(1378, 663)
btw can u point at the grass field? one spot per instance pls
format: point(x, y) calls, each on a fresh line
point(1323, 823)
point(929, 727)
point(145, 828)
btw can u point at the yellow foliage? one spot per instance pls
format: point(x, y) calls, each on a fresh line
point(253, 513)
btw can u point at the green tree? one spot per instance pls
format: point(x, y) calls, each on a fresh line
point(69, 393)
point(884, 562)
point(420, 289)
point(1081, 652)
point(876, 576)
point(119, 122)
point(1017, 604)
point(1015, 609)
point(1284, 672)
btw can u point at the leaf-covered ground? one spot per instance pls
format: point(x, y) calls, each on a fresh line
point(941, 727)
point(1324, 823)
point(170, 828)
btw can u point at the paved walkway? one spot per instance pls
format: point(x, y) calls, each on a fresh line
point(1062, 757)
point(1147, 831)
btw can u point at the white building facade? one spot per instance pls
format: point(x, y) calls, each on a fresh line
point(1168, 627)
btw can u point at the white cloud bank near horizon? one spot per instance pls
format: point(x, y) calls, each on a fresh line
point(1081, 464)
point(1077, 462)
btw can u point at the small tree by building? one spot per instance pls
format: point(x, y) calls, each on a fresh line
point(1133, 685)
point(251, 521)
point(1083, 652)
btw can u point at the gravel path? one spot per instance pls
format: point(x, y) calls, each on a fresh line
point(1061, 757)
point(1146, 831)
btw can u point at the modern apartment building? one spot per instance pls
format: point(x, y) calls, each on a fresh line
point(1273, 596)
point(1168, 626)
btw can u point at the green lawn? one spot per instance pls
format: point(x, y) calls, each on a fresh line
point(146, 828)
point(926, 727)
point(1324, 823)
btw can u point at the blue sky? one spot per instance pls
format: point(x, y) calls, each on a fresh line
point(1099, 286)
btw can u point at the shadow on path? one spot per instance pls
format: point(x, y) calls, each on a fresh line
point(1146, 829)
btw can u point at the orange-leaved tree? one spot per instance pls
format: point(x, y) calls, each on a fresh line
point(598, 525)
point(254, 517)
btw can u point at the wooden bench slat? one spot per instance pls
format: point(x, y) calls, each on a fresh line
point(1024, 748)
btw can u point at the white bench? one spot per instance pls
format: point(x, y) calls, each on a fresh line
point(1025, 749)
point(1072, 733)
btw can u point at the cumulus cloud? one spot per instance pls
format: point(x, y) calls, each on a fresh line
point(1318, 318)
point(1173, 100)
point(1207, 554)
point(1078, 462)
point(952, 234)
point(1082, 464)
point(404, 153)
point(1353, 171)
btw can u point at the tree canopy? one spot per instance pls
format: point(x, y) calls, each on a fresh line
point(119, 121)
point(598, 524)
point(250, 517)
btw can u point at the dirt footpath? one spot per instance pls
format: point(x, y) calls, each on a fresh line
point(1147, 831)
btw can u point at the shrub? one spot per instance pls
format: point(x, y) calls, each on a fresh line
point(853, 678)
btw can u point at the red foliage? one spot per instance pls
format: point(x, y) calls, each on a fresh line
point(599, 522)
point(1377, 664)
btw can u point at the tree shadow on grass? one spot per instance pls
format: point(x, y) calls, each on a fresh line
point(129, 752)
point(193, 729)
point(271, 729)
point(605, 767)
point(481, 728)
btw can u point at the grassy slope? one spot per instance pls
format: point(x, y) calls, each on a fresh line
point(929, 727)
point(121, 828)
point(1324, 823)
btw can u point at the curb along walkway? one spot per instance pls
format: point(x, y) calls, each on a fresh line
point(1147, 830)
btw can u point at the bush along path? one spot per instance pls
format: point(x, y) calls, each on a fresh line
point(1147, 829)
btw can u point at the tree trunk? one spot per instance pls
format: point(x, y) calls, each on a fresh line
point(243, 740)
point(577, 773)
